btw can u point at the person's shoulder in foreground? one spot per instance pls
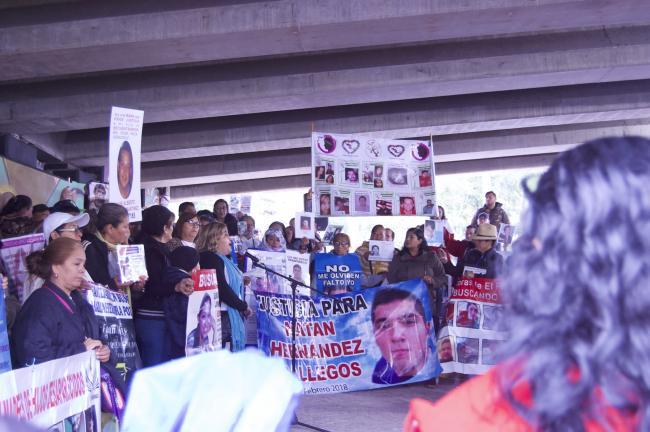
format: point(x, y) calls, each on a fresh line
point(479, 405)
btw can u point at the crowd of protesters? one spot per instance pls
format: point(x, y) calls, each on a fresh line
point(56, 320)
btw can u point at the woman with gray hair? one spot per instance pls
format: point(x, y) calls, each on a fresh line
point(576, 303)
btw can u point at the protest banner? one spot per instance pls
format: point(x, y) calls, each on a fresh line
point(125, 135)
point(363, 176)
point(468, 342)
point(260, 279)
point(61, 395)
point(337, 274)
point(381, 250)
point(5, 354)
point(14, 251)
point(203, 326)
point(131, 261)
point(115, 316)
point(297, 266)
point(347, 344)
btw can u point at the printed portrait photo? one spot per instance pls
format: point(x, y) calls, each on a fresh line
point(467, 349)
point(469, 315)
point(445, 350)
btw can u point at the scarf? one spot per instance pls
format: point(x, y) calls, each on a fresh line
point(235, 280)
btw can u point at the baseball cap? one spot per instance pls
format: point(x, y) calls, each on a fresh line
point(55, 220)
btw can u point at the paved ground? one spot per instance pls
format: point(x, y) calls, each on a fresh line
point(374, 410)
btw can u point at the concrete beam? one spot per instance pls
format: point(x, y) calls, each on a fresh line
point(226, 169)
point(623, 101)
point(480, 165)
point(261, 184)
point(450, 149)
point(122, 36)
point(332, 80)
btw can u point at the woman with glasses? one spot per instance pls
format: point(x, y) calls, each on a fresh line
point(415, 261)
point(57, 225)
point(185, 231)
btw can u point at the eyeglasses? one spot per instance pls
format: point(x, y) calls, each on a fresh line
point(194, 224)
point(341, 244)
point(74, 229)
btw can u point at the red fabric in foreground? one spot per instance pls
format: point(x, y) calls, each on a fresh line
point(478, 405)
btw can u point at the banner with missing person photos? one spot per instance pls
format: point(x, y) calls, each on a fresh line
point(362, 176)
point(373, 338)
point(472, 333)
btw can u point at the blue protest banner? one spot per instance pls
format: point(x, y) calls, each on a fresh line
point(5, 356)
point(372, 338)
point(337, 273)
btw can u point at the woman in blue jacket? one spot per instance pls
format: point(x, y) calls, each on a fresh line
point(56, 321)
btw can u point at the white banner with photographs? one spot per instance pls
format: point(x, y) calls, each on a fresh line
point(125, 136)
point(61, 395)
point(362, 176)
point(472, 336)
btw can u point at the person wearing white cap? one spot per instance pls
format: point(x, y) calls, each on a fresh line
point(57, 225)
point(64, 225)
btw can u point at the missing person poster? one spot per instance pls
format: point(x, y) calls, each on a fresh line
point(260, 279)
point(131, 261)
point(381, 250)
point(203, 327)
point(13, 252)
point(97, 195)
point(374, 338)
point(471, 338)
point(305, 226)
point(5, 354)
point(59, 395)
point(330, 232)
point(363, 176)
point(125, 135)
point(115, 318)
point(434, 232)
point(506, 235)
point(337, 274)
point(298, 269)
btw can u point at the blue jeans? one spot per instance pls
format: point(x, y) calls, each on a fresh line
point(153, 340)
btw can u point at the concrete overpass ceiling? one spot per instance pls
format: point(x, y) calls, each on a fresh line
point(231, 92)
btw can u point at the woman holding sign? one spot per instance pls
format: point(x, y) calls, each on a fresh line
point(213, 244)
point(414, 261)
point(576, 305)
